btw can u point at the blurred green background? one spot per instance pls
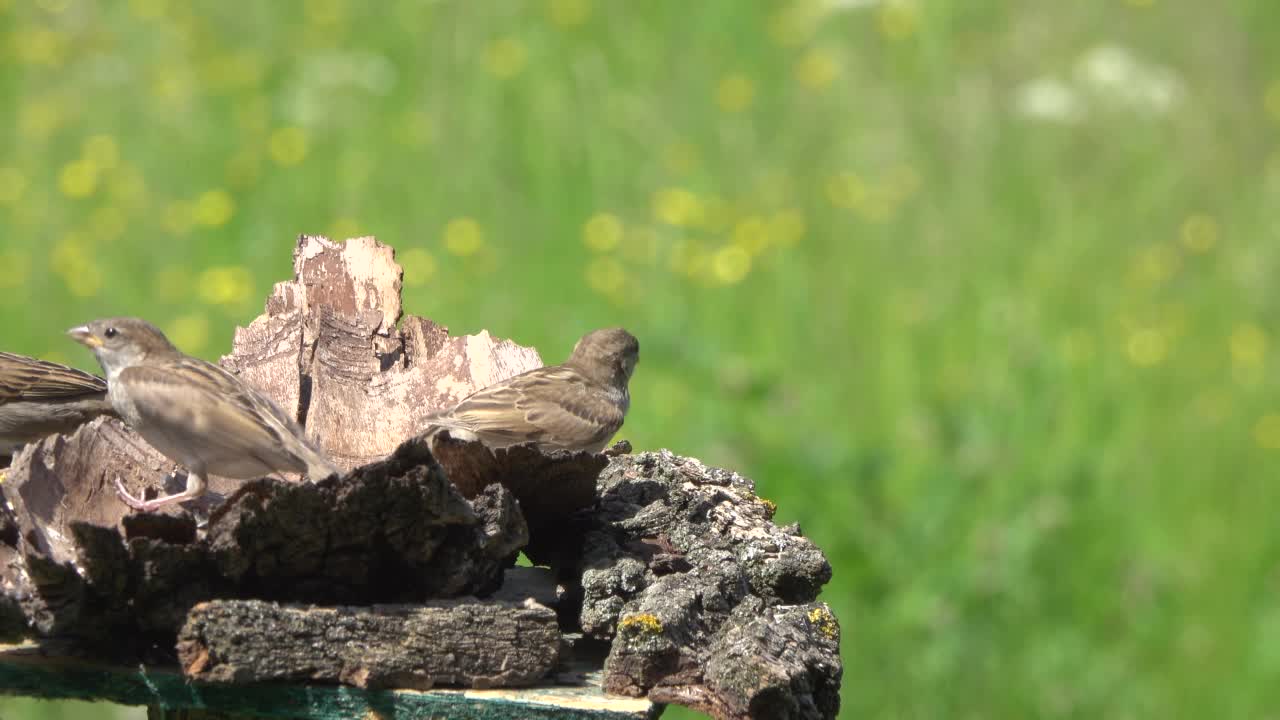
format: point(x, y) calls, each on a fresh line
point(978, 291)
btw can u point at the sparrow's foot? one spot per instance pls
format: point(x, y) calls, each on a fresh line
point(154, 504)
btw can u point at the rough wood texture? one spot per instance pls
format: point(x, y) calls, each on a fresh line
point(391, 531)
point(550, 486)
point(478, 644)
point(707, 602)
point(328, 347)
point(41, 671)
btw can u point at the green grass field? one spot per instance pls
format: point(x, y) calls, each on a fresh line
point(979, 292)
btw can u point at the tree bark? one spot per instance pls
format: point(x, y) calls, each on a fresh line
point(478, 644)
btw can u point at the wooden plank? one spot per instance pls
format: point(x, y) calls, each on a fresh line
point(34, 671)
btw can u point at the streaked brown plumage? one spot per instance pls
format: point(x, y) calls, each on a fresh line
point(39, 398)
point(578, 405)
point(194, 412)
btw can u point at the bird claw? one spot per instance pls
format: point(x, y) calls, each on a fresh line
point(128, 499)
point(137, 503)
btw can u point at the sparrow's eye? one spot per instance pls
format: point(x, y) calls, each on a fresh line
point(109, 333)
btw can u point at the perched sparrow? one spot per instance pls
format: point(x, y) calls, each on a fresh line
point(39, 398)
point(575, 406)
point(194, 412)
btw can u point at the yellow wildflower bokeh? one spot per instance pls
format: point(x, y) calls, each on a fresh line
point(817, 69)
point(102, 151)
point(506, 57)
point(569, 13)
point(149, 9)
point(1147, 347)
point(288, 146)
point(735, 93)
point(1248, 345)
point(12, 185)
point(78, 179)
point(1199, 233)
point(677, 206)
point(419, 266)
point(730, 264)
point(214, 208)
point(190, 332)
point(602, 232)
point(898, 19)
point(463, 236)
point(225, 285)
point(606, 275)
point(1266, 432)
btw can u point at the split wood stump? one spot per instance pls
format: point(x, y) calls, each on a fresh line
point(392, 591)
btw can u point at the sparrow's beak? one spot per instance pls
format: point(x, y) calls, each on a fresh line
point(83, 336)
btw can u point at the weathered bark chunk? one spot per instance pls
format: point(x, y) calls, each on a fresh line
point(395, 530)
point(479, 644)
point(551, 487)
point(679, 564)
point(328, 347)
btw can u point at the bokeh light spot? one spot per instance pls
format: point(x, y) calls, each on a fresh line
point(214, 208)
point(735, 93)
point(190, 332)
point(606, 275)
point(325, 12)
point(752, 235)
point(12, 185)
point(414, 129)
point(344, 228)
point(602, 232)
point(39, 46)
point(288, 146)
point(78, 179)
point(102, 151)
point(225, 285)
point(817, 69)
point(787, 227)
point(1147, 347)
point(463, 236)
point(898, 19)
point(730, 264)
point(148, 9)
point(846, 190)
point(73, 260)
point(1248, 345)
point(1266, 432)
point(569, 13)
point(419, 267)
point(1199, 233)
point(677, 206)
point(506, 57)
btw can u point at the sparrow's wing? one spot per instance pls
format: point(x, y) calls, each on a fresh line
point(24, 378)
point(554, 406)
point(206, 401)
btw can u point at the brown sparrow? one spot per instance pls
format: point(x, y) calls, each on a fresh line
point(575, 406)
point(194, 412)
point(39, 398)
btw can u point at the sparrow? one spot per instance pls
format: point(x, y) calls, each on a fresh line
point(578, 405)
point(39, 398)
point(194, 412)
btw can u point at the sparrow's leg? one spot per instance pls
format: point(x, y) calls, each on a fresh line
point(195, 488)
